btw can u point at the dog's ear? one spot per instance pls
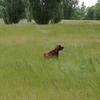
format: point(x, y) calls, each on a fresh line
point(56, 49)
point(57, 46)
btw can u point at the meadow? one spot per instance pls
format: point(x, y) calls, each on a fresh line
point(26, 75)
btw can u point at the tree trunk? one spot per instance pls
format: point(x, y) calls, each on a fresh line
point(29, 16)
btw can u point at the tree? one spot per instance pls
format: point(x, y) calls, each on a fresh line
point(43, 10)
point(13, 11)
point(0, 11)
point(57, 13)
point(29, 13)
point(69, 6)
point(1, 7)
point(90, 13)
point(28, 10)
point(80, 12)
point(97, 11)
point(77, 14)
point(83, 11)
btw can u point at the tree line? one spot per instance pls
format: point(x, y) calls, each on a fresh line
point(45, 11)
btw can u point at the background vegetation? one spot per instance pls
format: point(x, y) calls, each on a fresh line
point(44, 11)
point(26, 75)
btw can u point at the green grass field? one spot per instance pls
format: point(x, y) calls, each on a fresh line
point(26, 75)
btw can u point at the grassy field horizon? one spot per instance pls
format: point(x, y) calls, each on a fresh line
point(26, 75)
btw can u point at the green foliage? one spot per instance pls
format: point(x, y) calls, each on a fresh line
point(42, 10)
point(26, 75)
point(80, 13)
point(1, 7)
point(28, 10)
point(97, 11)
point(57, 13)
point(0, 11)
point(90, 13)
point(13, 11)
point(69, 6)
point(93, 13)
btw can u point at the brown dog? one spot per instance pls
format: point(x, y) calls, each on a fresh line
point(54, 52)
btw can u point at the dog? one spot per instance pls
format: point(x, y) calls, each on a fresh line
point(54, 52)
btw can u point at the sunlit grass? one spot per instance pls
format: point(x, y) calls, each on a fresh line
point(26, 75)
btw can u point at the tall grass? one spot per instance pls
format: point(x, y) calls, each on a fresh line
point(26, 75)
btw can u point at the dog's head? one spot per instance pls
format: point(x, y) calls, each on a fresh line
point(58, 47)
